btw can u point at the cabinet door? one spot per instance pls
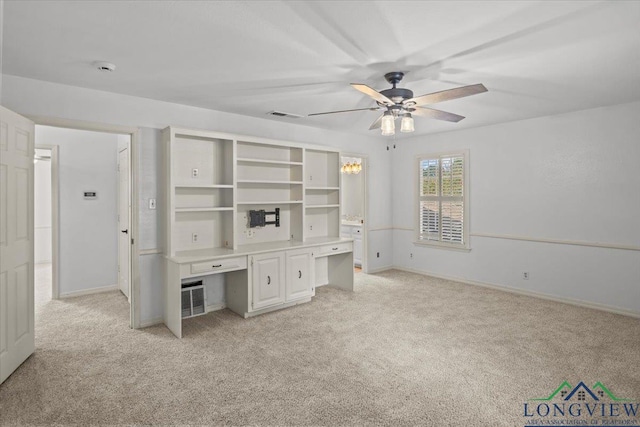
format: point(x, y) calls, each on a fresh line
point(268, 279)
point(299, 275)
point(357, 250)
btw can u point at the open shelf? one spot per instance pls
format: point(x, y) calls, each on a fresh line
point(326, 196)
point(205, 186)
point(212, 227)
point(271, 202)
point(322, 169)
point(201, 162)
point(269, 153)
point(321, 206)
point(322, 221)
point(322, 188)
point(203, 198)
point(263, 182)
point(268, 162)
point(219, 209)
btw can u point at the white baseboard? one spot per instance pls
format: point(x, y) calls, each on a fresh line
point(151, 322)
point(381, 269)
point(216, 307)
point(89, 291)
point(571, 301)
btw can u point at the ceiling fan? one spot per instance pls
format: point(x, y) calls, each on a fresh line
point(400, 103)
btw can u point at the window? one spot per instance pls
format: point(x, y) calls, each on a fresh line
point(442, 200)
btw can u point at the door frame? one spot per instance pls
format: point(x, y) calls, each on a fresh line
point(134, 144)
point(365, 228)
point(55, 217)
point(128, 148)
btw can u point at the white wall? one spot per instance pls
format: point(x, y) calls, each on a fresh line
point(38, 98)
point(88, 252)
point(570, 177)
point(42, 208)
point(520, 185)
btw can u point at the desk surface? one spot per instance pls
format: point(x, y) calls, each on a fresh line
point(184, 257)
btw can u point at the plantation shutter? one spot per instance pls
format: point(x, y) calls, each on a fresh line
point(441, 199)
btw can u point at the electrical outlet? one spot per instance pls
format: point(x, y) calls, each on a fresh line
point(410, 255)
point(311, 228)
point(152, 203)
point(195, 173)
point(525, 275)
point(250, 233)
point(377, 254)
point(194, 237)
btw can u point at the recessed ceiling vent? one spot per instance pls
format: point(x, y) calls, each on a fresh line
point(104, 66)
point(281, 114)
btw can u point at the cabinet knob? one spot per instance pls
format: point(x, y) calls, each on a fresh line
point(299, 274)
point(268, 280)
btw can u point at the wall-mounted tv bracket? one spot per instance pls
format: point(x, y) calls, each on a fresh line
point(259, 218)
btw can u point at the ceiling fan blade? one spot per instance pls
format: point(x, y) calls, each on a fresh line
point(372, 93)
point(446, 95)
point(436, 114)
point(377, 123)
point(345, 111)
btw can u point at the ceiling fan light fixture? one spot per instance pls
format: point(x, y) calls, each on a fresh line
point(388, 125)
point(406, 125)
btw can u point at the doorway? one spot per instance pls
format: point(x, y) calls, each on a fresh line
point(87, 206)
point(124, 218)
point(44, 171)
point(353, 177)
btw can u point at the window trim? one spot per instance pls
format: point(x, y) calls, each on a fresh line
point(465, 246)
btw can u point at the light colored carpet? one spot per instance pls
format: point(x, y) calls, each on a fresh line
point(403, 349)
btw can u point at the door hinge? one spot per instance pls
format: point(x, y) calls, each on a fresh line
point(252, 261)
point(132, 240)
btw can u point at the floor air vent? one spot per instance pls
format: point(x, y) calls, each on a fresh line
point(193, 299)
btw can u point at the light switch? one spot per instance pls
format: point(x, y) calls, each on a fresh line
point(152, 203)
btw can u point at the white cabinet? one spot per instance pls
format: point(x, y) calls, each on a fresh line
point(300, 276)
point(273, 285)
point(355, 232)
point(268, 279)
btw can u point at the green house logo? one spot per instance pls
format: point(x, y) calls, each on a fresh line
point(597, 392)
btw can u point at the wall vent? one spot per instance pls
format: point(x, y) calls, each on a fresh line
point(282, 114)
point(193, 299)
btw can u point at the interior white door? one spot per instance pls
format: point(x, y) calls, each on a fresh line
point(17, 338)
point(124, 210)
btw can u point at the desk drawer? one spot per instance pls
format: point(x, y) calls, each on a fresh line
point(213, 266)
point(337, 248)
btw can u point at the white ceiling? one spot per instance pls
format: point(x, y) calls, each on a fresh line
point(536, 58)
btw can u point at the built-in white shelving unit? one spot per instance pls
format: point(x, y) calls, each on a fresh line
point(200, 191)
point(214, 181)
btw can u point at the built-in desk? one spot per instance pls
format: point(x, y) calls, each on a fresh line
point(262, 277)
